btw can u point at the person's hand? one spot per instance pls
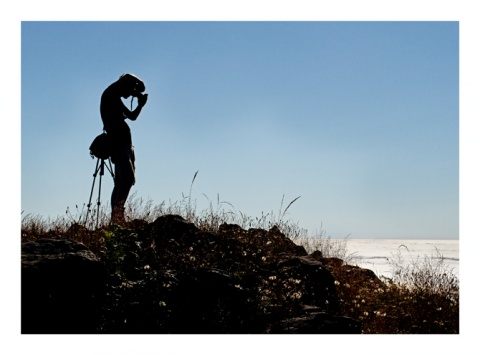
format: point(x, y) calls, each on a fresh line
point(142, 99)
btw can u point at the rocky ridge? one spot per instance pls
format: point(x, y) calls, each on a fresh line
point(171, 277)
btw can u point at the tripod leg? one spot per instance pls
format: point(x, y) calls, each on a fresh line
point(100, 188)
point(91, 192)
point(110, 168)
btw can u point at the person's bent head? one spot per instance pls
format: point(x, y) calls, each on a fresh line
point(130, 85)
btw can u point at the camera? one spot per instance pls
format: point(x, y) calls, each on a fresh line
point(137, 94)
point(141, 98)
point(138, 88)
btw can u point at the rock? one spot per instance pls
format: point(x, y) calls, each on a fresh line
point(208, 301)
point(169, 227)
point(316, 285)
point(170, 276)
point(316, 255)
point(333, 262)
point(278, 243)
point(62, 287)
point(317, 323)
point(353, 275)
point(172, 236)
point(271, 242)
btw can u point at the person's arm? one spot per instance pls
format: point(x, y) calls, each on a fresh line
point(142, 100)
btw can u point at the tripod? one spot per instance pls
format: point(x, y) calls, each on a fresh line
point(100, 168)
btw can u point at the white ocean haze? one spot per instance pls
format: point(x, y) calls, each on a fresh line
point(377, 254)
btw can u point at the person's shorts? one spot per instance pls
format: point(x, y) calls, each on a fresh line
point(124, 160)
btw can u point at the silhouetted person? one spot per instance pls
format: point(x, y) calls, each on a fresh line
point(114, 113)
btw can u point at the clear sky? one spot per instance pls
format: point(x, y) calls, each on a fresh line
point(360, 119)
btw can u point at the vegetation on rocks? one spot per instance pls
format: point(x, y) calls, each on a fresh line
point(227, 273)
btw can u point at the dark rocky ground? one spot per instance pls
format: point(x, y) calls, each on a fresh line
point(171, 277)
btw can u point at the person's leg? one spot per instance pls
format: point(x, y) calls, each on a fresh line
point(124, 180)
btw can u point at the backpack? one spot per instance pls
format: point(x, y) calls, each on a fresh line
point(101, 147)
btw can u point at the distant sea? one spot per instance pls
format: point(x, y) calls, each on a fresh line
point(377, 254)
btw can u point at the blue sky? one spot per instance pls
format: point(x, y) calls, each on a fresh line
point(360, 119)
